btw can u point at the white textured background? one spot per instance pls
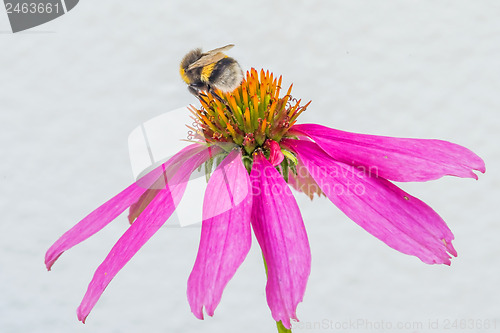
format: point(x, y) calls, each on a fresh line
point(73, 89)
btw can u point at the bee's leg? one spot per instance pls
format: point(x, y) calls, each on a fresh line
point(220, 99)
point(197, 89)
point(194, 91)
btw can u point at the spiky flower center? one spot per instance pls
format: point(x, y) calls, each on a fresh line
point(252, 116)
point(248, 116)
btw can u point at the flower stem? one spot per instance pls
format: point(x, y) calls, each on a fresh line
point(279, 324)
point(281, 328)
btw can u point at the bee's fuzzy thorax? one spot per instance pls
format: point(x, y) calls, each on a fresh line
point(188, 59)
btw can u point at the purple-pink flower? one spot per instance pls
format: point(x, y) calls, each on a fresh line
point(264, 152)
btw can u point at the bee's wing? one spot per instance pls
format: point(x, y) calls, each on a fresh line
point(220, 49)
point(211, 57)
point(207, 60)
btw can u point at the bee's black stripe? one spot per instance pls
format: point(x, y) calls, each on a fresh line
point(219, 68)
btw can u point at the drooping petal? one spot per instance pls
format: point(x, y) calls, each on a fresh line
point(397, 159)
point(149, 221)
point(107, 212)
point(94, 222)
point(278, 226)
point(398, 219)
point(225, 234)
point(138, 207)
point(166, 171)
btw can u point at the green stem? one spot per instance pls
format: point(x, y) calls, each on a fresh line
point(279, 324)
point(281, 328)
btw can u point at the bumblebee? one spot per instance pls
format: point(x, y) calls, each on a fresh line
point(203, 71)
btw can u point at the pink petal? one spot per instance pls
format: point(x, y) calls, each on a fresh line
point(138, 207)
point(106, 213)
point(398, 219)
point(396, 159)
point(162, 173)
point(225, 237)
point(157, 178)
point(94, 222)
point(276, 156)
point(151, 219)
point(279, 228)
